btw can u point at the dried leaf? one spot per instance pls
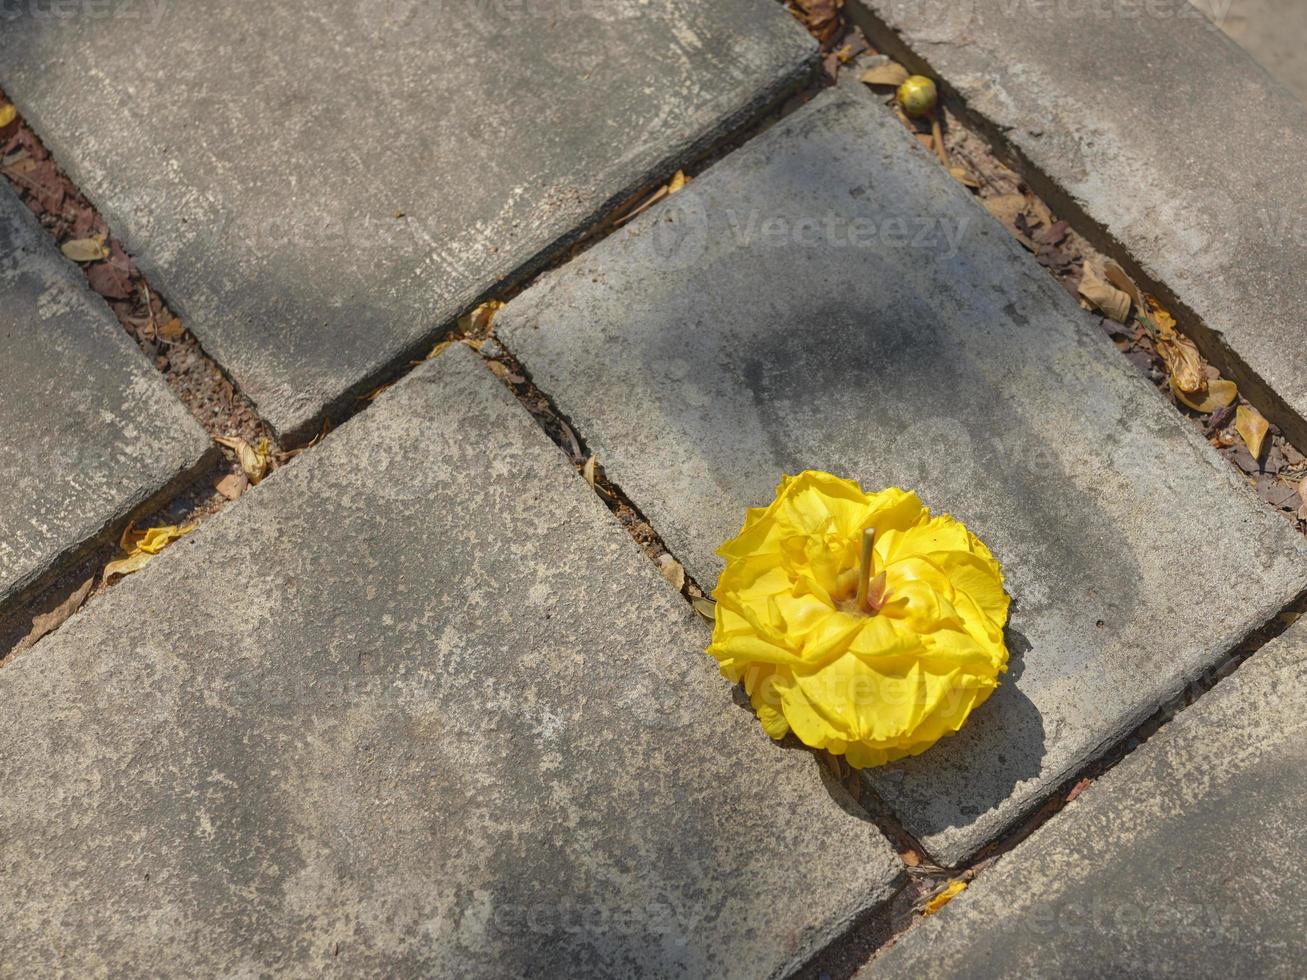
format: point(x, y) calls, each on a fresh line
point(504, 373)
point(942, 898)
point(588, 471)
point(253, 459)
point(435, 351)
point(172, 330)
point(1103, 296)
point(890, 75)
point(85, 250)
point(480, 319)
point(140, 546)
point(7, 114)
point(128, 565)
point(232, 485)
point(1177, 351)
point(1006, 208)
point(1079, 788)
point(1219, 394)
point(704, 607)
point(372, 395)
point(110, 281)
point(151, 540)
point(1115, 275)
point(322, 434)
point(56, 617)
point(964, 178)
point(1252, 428)
point(1159, 314)
point(673, 571)
point(678, 182)
point(911, 858)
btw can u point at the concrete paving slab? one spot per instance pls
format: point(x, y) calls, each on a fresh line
point(318, 188)
point(1189, 859)
point(1181, 150)
point(416, 705)
point(1272, 31)
point(828, 297)
point(89, 432)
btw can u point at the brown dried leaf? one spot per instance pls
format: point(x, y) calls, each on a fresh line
point(588, 470)
point(232, 485)
point(1252, 428)
point(172, 330)
point(504, 373)
point(1006, 208)
point(56, 617)
point(890, 75)
point(110, 281)
point(964, 178)
point(1079, 788)
point(1115, 275)
point(673, 571)
point(1104, 297)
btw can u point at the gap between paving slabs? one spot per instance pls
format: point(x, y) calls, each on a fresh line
point(197, 381)
point(1277, 474)
point(222, 409)
point(969, 141)
point(137, 318)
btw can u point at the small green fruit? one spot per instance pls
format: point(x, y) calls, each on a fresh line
point(917, 96)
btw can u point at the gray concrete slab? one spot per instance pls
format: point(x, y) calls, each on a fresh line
point(89, 432)
point(1272, 31)
point(828, 297)
point(1189, 859)
point(416, 705)
point(318, 188)
point(1183, 153)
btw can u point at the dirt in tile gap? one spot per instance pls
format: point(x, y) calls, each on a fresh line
point(194, 377)
point(1275, 471)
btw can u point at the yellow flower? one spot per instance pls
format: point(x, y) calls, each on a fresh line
point(873, 663)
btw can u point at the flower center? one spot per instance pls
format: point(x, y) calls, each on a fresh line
point(872, 593)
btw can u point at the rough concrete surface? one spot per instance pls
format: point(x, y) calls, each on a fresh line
point(318, 188)
point(1183, 151)
point(1189, 859)
point(1272, 31)
point(829, 297)
point(420, 707)
point(89, 431)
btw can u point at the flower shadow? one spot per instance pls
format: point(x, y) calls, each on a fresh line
point(1008, 724)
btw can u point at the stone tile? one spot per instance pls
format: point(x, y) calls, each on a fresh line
point(89, 432)
point(415, 705)
point(320, 187)
point(829, 297)
point(1272, 31)
point(1176, 145)
point(1187, 859)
